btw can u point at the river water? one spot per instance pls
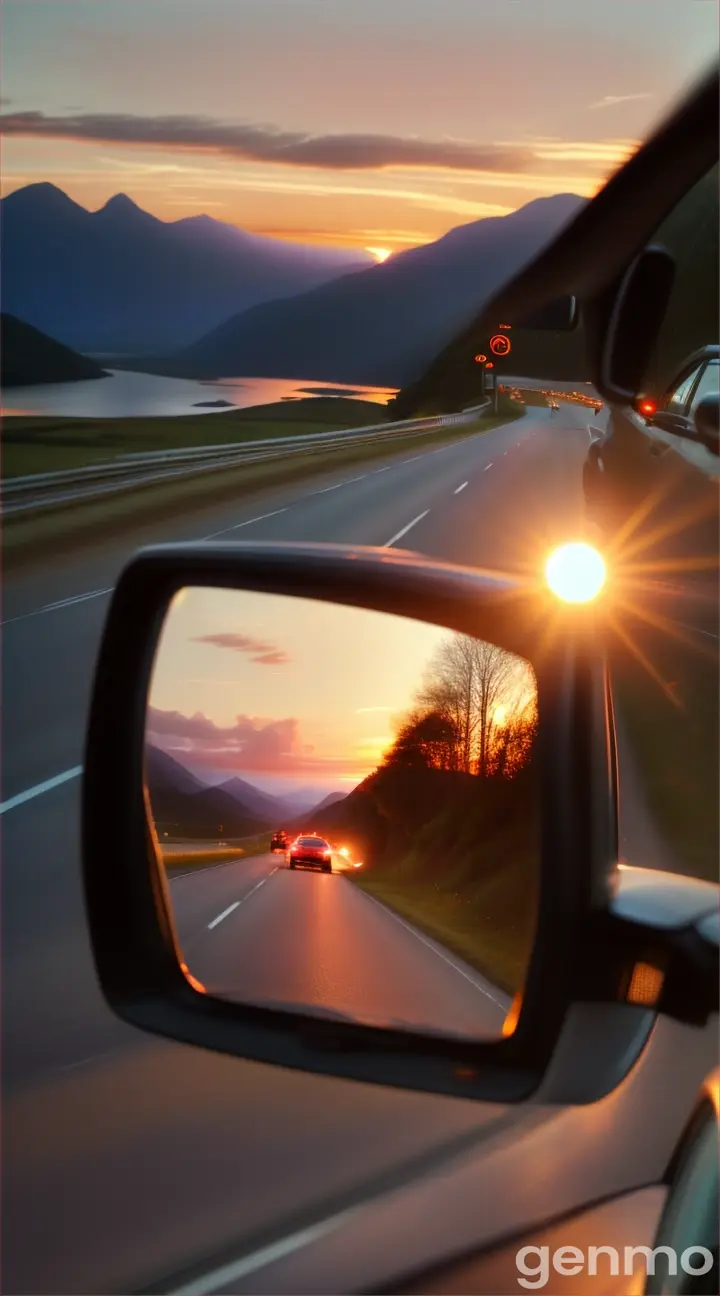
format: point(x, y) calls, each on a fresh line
point(126, 394)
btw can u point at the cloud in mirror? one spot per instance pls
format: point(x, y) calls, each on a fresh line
point(345, 804)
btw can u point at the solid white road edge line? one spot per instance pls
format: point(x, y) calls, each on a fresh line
point(238, 1269)
point(61, 603)
point(424, 941)
point(39, 788)
point(405, 529)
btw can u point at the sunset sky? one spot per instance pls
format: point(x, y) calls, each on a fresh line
point(283, 691)
point(378, 124)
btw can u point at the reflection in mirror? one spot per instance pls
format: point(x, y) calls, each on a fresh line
point(345, 804)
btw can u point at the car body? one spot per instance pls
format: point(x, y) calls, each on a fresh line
point(652, 452)
point(280, 840)
point(310, 852)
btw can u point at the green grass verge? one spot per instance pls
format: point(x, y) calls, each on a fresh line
point(28, 537)
point(38, 444)
point(189, 861)
point(469, 875)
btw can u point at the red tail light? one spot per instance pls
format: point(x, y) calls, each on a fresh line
point(646, 406)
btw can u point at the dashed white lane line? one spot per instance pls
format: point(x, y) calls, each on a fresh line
point(389, 543)
point(231, 908)
point(248, 522)
point(486, 467)
point(337, 485)
point(459, 488)
point(39, 788)
point(226, 912)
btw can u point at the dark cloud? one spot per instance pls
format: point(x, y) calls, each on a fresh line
point(266, 144)
point(265, 654)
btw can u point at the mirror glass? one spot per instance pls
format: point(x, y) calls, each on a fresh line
point(345, 805)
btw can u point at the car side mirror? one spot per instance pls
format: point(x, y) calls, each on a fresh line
point(454, 903)
point(633, 326)
point(707, 422)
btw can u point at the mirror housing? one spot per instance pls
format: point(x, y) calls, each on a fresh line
point(633, 325)
point(582, 949)
point(707, 423)
point(560, 316)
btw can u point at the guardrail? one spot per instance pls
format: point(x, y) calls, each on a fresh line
point(129, 472)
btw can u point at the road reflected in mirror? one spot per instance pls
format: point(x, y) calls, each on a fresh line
point(345, 803)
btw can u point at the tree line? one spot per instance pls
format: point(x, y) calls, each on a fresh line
point(475, 713)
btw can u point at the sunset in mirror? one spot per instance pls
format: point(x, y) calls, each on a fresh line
point(294, 737)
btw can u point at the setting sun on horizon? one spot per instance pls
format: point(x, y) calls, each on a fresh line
point(380, 254)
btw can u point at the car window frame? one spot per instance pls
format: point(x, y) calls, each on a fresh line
point(711, 363)
point(698, 367)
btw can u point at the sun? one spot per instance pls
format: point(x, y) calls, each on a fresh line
point(380, 254)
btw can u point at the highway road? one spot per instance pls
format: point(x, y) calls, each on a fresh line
point(124, 1156)
point(260, 931)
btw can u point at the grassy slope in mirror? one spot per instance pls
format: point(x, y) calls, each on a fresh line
point(132, 934)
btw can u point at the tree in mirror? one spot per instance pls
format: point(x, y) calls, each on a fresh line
point(345, 804)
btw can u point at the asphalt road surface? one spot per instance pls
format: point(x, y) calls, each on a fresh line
point(125, 1156)
point(259, 931)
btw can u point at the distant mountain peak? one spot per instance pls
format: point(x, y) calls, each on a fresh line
point(42, 195)
point(123, 208)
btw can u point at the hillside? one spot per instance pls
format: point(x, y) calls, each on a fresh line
point(456, 854)
point(383, 325)
point(120, 280)
point(690, 233)
point(29, 357)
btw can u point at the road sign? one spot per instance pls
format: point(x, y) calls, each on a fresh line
point(480, 359)
point(500, 345)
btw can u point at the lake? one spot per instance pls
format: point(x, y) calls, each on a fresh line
point(126, 394)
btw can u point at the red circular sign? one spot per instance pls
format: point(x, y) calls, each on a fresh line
point(500, 345)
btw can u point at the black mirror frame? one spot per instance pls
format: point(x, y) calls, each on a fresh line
point(638, 310)
point(131, 929)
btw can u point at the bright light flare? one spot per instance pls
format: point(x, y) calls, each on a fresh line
point(357, 864)
point(576, 573)
point(344, 851)
point(380, 254)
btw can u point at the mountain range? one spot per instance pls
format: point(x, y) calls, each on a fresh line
point(384, 325)
point(188, 807)
point(120, 280)
point(200, 298)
